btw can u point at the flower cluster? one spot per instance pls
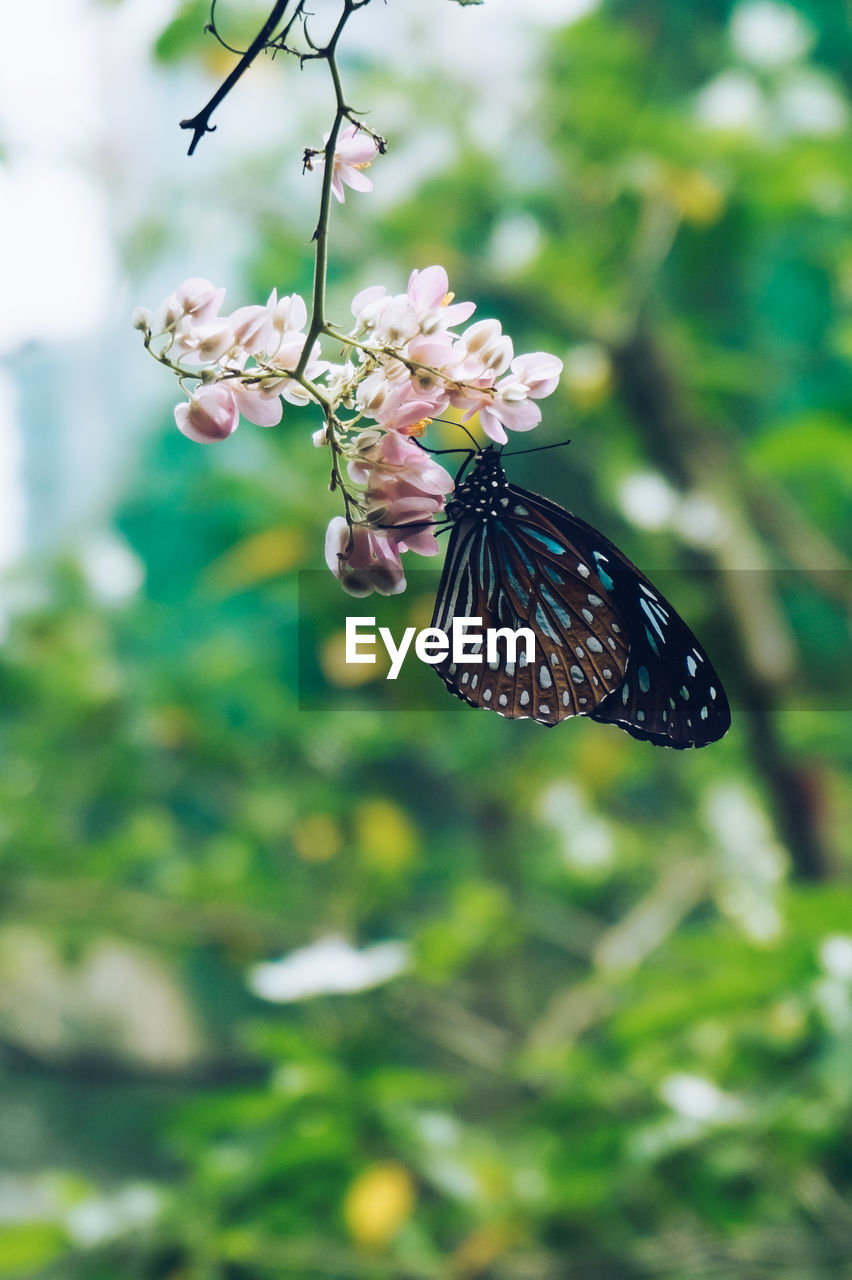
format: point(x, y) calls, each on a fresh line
point(241, 360)
point(403, 366)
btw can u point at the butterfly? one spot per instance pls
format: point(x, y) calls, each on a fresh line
point(608, 645)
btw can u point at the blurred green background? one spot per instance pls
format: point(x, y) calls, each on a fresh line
point(599, 1016)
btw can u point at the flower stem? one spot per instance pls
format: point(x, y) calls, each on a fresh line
point(329, 55)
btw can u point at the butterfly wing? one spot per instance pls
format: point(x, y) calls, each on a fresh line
point(670, 694)
point(608, 644)
point(520, 571)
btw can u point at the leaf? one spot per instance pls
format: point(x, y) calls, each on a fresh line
point(28, 1247)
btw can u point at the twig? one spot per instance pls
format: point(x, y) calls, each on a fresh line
point(200, 123)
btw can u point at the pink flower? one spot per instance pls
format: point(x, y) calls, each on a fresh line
point(429, 295)
point(405, 516)
point(252, 328)
point(538, 372)
point(426, 308)
point(497, 412)
point(354, 151)
point(482, 351)
point(289, 315)
point(405, 489)
point(396, 404)
point(197, 343)
point(210, 414)
point(379, 458)
point(196, 297)
point(388, 318)
point(362, 561)
point(367, 306)
point(260, 402)
point(505, 404)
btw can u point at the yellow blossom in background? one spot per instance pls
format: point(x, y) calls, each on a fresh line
point(697, 197)
point(260, 556)
point(386, 835)
point(348, 675)
point(378, 1203)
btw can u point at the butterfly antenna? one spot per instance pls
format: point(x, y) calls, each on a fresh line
point(516, 453)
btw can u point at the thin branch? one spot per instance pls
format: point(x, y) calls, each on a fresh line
point(214, 31)
point(320, 236)
point(200, 123)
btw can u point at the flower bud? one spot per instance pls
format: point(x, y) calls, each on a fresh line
point(210, 414)
point(142, 319)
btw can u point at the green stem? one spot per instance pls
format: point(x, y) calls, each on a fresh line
point(318, 321)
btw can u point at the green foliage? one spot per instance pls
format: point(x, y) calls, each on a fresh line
point(623, 1046)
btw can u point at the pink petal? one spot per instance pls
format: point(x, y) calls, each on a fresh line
point(260, 405)
point(209, 416)
point(366, 296)
point(521, 415)
point(429, 287)
point(491, 426)
point(354, 178)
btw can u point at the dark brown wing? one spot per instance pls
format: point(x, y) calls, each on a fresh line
point(518, 572)
point(607, 643)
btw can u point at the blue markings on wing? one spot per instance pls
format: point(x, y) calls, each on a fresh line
point(553, 574)
point(544, 624)
point(607, 581)
point(644, 679)
point(652, 618)
point(652, 641)
point(520, 591)
point(560, 610)
point(522, 555)
point(546, 541)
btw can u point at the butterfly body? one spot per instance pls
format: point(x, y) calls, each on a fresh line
point(608, 645)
